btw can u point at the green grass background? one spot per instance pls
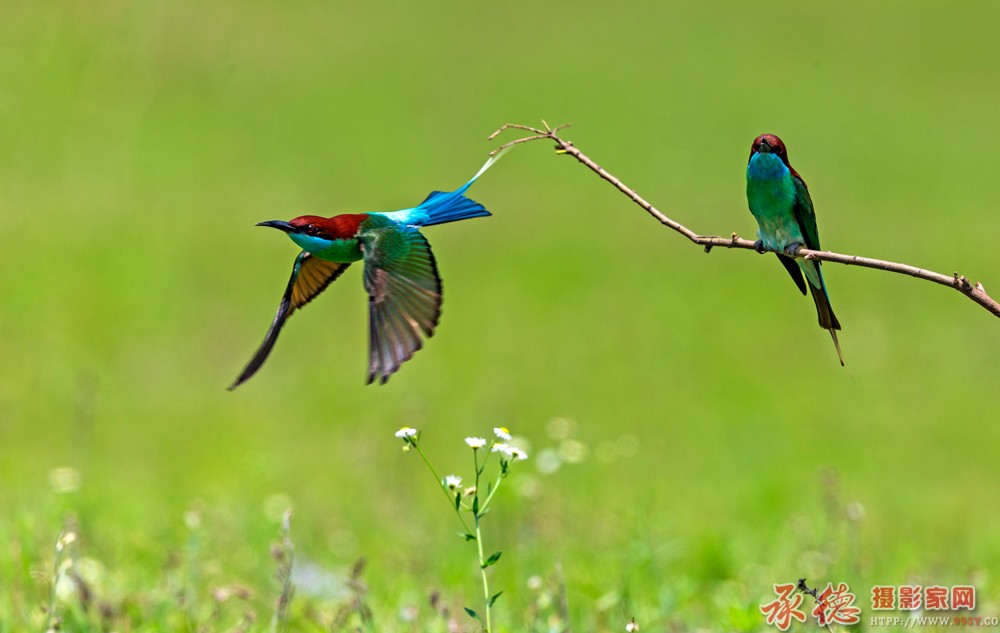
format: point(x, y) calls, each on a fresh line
point(140, 142)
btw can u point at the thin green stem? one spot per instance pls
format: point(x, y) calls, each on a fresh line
point(479, 542)
point(493, 491)
point(486, 584)
point(437, 478)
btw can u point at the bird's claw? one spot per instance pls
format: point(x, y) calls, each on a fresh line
point(793, 248)
point(759, 247)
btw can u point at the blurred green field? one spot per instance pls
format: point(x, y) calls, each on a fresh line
point(725, 449)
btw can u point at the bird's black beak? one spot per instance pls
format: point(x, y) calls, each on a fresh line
point(764, 146)
point(281, 225)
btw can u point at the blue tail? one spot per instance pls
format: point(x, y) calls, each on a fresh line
point(445, 206)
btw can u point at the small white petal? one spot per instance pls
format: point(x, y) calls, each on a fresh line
point(475, 442)
point(502, 433)
point(406, 432)
point(452, 482)
point(509, 451)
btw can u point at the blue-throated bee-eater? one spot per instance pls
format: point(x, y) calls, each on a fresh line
point(780, 201)
point(400, 274)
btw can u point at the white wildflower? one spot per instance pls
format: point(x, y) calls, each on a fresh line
point(475, 442)
point(406, 433)
point(511, 452)
point(452, 482)
point(632, 627)
point(502, 433)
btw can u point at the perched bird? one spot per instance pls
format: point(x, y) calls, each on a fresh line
point(780, 201)
point(400, 275)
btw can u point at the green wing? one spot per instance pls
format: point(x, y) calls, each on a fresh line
point(404, 294)
point(804, 214)
point(310, 276)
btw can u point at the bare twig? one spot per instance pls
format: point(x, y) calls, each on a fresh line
point(974, 291)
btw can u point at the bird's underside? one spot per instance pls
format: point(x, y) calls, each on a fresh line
point(404, 298)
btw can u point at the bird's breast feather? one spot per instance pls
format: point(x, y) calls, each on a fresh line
point(336, 250)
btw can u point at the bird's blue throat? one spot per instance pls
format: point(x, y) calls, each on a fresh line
point(343, 251)
point(766, 166)
point(770, 189)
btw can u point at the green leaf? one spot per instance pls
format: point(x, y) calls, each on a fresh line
point(492, 559)
point(475, 505)
point(473, 614)
point(467, 536)
point(489, 603)
point(458, 500)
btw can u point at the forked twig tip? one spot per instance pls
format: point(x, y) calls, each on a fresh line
point(499, 131)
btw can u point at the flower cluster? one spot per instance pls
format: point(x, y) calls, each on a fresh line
point(409, 437)
point(508, 452)
point(512, 453)
point(474, 501)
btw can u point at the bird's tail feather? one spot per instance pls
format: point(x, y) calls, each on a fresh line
point(450, 206)
point(836, 344)
point(827, 319)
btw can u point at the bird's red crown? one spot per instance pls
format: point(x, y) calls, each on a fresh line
point(770, 143)
point(338, 227)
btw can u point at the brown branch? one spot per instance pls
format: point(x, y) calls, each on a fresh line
point(974, 291)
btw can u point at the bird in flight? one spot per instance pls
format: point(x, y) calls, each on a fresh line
point(779, 200)
point(400, 274)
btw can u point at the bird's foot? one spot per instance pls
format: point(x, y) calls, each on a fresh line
point(759, 247)
point(793, 248)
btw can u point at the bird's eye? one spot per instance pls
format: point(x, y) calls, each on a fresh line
point(311, 229)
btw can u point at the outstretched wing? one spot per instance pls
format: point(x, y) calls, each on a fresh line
point(310, 276)
point(804, 213)
point(404, 294)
